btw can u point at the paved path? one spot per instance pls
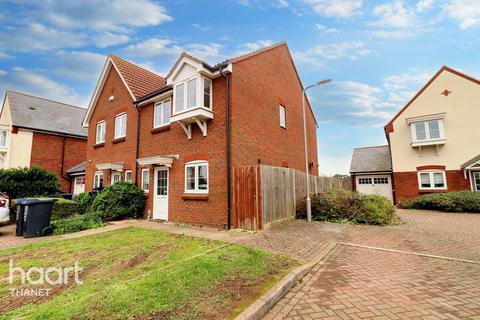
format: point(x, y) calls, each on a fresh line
point(425, 268)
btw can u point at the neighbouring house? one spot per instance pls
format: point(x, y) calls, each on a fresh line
point(42, 133)
point(179, 137)
point(432, 139)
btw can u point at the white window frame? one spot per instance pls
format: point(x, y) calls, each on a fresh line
point(195, 165)
point(427, 130)
point(199, 91)
point(115, 173)
point(95, 175)
point(128, 172)
point(143, 176)
point(283, 123)
point(203, 92)
point(100, 138)
point(432, 181)
point(122, 131)
point(6, 138)
point(160, 106)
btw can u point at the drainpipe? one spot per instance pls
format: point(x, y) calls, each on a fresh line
point(138, 142)
point(227, 136)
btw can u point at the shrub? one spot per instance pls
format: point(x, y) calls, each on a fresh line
point(341, 205)
point(84, 201)
point(28, 182)
point(76, 223)
point(461, 201)
point(117, 201)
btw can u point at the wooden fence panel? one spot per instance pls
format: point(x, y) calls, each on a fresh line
point(265, 194)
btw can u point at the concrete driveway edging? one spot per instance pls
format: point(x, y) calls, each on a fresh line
point(262, 305)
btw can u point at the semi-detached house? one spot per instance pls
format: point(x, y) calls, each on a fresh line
point(432, 143)
point(179, 136)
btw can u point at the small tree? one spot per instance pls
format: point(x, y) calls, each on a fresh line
point(28, 182)
point(117, 201)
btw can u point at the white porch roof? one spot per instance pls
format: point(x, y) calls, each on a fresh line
point(165, 160)
point(110, 166)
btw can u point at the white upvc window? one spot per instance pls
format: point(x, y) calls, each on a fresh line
point(128, 176)
point(120, 126)
point(98, 180)
point(146, 179)
point(425, 131)
point(283, 116)
point(162, 112)
point(100, 134)
point(116, 177)
point(432, 180)
point(196, 177)
point(3, 139)
point(191, 93)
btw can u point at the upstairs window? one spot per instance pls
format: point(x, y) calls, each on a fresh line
point(283, 119)
point(191, 93)
point(207, 93)
point(427, 130)
point(162, 113)
point(196, 177)
point(3, 138)
point(100, 135)
point(120, 126)
point(432, 180)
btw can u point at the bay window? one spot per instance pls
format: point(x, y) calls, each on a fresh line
point(432, 180)
point(120, 126)
point(207, 93)
point(427, 130)
point(100, 133)
point(191, 93)
point(162, 113)
point(196, 177)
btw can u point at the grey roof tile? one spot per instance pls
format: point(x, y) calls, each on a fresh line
point(81, 167)
point(45, 115)
point(371, 159)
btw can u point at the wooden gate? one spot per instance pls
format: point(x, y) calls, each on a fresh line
point(247, 197)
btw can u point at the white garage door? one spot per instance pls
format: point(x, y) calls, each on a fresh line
point(381, 185)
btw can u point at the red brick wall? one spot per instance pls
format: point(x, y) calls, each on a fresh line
point(406, 184)
point(124, 151)
point(259, 85)
point(47, 154)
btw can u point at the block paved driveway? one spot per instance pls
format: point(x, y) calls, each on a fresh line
point(428, 267)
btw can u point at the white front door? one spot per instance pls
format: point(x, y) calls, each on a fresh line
point(476, 180)
point(79, 185)
point(375, 184)
point(160, 194)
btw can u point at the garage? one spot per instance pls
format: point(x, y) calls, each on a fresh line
point(371, 170)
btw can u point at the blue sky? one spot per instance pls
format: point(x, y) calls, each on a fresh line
point(378, 53)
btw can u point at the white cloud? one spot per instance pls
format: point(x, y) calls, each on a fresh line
point(2, 72)
point(170, 50)
point(103, 14)
point(308, 59)
point(253, 46)
point(4, 56)
point(36, 36)
point(200, 27)
point(245, 3)
point(330, 165)
point(425, 5)
point(31, 82)
point(465, 12)
point(394, 15)
point(281, 4)
point(108, 39)
point(80, 65)
point(335, 8)
point(406, 80)
point(351, 49)
point(394, 34)
point(324, 29)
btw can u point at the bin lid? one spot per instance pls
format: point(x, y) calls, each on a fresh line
point(28, 201)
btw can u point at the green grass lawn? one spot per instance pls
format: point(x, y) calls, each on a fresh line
point(134, 273)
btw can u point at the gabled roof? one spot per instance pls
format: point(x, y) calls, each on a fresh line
point(79, 168)
point(371, 159)
point(470, 162)
point(35, 113)
point(389, 126)
point(139, 80)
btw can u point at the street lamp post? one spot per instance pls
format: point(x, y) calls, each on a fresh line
point(309, 201)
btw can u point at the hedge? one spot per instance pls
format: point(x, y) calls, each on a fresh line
point(347, 206)
point(460, 201)
point(28, 182)
point(62, 209)
point(76, 223)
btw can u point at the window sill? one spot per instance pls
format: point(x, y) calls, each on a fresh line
point(432, 190)
point(99, 145)
point(160, 129)
point(118, 140)
point(429, 142)
point(194, 196)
